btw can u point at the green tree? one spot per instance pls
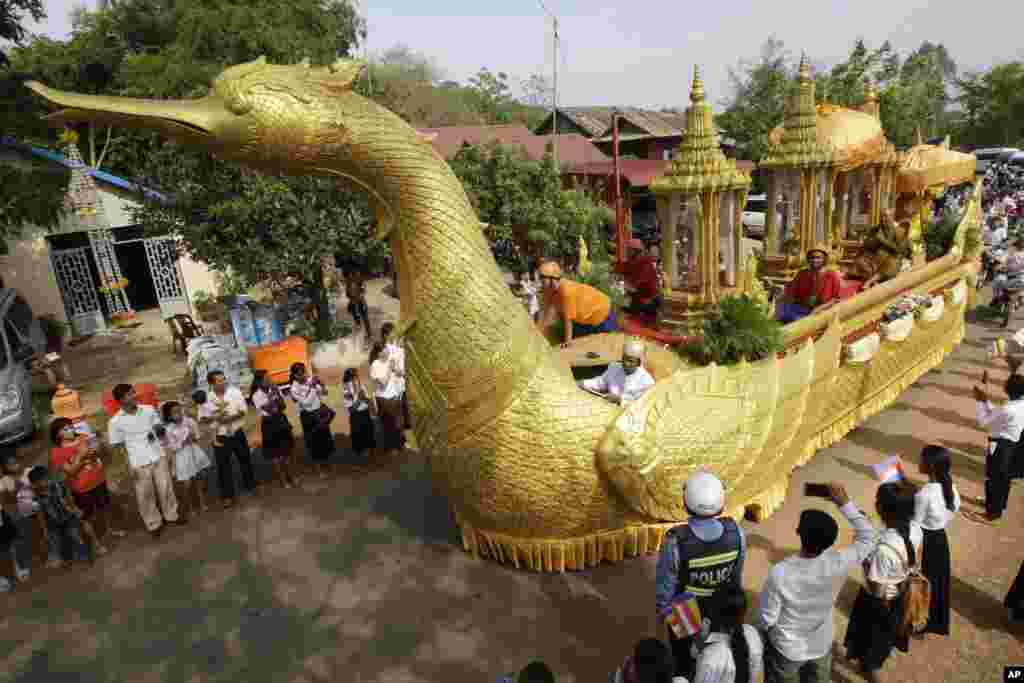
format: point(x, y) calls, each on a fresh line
point(758, 99)
point(992, 106)
point(492, 93)
point(521, 198)
point(12, 17)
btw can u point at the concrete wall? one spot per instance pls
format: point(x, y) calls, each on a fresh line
point(27, 268)
point(197, 276)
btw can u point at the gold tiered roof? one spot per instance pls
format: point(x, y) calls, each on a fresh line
point(700, 165)
point(797, 142)
point(827, 134)
point(927, 166)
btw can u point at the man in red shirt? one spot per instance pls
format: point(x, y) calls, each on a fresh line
point(641, 273)
point(812, 290)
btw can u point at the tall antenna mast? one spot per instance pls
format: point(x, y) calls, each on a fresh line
point(554, 82)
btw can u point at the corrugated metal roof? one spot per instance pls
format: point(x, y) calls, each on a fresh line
point(95, 173)
point(597, 121)
point(572, 149)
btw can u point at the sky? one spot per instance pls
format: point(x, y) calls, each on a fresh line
point(642, 53)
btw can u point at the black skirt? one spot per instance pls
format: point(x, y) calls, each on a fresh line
point(1015, 598)
point(361, 423)
point(278, 439)
point(318, 437)
point(871, 634)
point(935, 564)
point(8, 532)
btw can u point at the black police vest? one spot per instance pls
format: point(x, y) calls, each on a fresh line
point(708, 566)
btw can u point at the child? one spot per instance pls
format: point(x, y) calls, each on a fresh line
point(189, 462)
point(11, 535)
point(1004, 424)
point(360, 412)
point(275, 429)
point(63, 519)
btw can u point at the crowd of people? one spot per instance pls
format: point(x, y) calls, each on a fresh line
point(174, 450)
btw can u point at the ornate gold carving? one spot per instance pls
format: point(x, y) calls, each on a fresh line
point(513, 442)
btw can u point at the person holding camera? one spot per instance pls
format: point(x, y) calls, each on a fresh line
point(796, 603)
point(137, 430)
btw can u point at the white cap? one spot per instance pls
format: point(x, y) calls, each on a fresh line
point(634, 348)
point(704, 494)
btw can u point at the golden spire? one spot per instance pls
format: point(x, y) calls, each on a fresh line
point(697, 89)
point(799, 146)
point(870, 91)
point(700, 165)
point(804, 73)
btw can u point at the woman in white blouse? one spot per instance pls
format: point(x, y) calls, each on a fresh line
point(935, 505)
point(387, 391)
point(733, 651)
point(877, 611)
point(307, 392)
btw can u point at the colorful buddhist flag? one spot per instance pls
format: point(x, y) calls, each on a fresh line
point(685, 618)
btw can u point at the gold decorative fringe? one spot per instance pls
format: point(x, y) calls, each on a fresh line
point(614, 545)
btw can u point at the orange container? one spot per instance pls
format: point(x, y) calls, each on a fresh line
point(277, 358)
point(67, 403)
point(147, 393)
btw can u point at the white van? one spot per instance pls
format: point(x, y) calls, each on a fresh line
point(21, 338)
point(753, 215)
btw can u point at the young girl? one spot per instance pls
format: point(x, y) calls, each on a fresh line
point(733, 651)
point(386, 393)
point(877, 611)
point(276, 430)
point(357, 400)
point(189, 462)
point(935, 505)
point(307, 392)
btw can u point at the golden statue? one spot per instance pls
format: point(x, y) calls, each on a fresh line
point(538, 473)
point(886, 247)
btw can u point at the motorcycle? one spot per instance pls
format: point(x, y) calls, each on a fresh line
point(1010, 294)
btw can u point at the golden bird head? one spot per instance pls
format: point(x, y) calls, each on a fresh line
point(267, 116)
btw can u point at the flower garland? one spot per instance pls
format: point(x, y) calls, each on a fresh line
point(113, 285)
point(908, 305)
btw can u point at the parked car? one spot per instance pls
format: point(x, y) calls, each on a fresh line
point(986, 157)
point(21, 338)
point(753, 215)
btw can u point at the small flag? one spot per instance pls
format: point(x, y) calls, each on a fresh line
point(684, 620)
point(888, 470)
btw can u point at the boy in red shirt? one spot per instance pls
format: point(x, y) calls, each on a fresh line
point(641, 273)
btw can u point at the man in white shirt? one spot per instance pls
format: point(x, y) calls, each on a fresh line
point(1005, 424)
point(626, 381)
point(798, 596)
point(137, 429)
point(396, 356)
point(995, 232)
point(225, 410)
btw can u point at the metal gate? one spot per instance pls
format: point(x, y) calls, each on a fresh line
point(77, 289)
point(162, 254)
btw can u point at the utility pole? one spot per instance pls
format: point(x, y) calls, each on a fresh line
point(554, 81)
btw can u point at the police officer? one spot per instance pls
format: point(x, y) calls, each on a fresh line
point(698, 557)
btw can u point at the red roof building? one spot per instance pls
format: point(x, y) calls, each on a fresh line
point(573, 150)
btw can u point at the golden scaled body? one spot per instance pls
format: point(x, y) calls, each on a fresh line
point(539, 473)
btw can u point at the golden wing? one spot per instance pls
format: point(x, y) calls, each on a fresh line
point(717, 418)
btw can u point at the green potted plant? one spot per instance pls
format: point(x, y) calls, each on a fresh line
point(740, 329)
point(55, 331)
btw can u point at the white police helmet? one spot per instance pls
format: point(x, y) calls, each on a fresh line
point(704, 494)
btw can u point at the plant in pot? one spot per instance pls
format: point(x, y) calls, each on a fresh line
point(55, 331)
point(203, 302)
point(740, 329)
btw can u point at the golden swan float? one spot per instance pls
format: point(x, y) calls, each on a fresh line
point(540, 474)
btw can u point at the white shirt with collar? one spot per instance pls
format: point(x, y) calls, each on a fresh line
point(386, 383)
point(234, 405)
point(397, 354)
point(133, 430)
point(1003, 422)
point(888, 565)
point(800, 592)
point(615, 381)
point(930, 509)
point(716, 664)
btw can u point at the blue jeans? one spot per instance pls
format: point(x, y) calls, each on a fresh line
point(788, 313)
point(63, 535)
point(581, 330)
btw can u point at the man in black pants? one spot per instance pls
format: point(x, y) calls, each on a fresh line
point(1005, 424)
point(225, 410)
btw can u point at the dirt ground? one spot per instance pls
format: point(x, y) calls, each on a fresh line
point(360, 578)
